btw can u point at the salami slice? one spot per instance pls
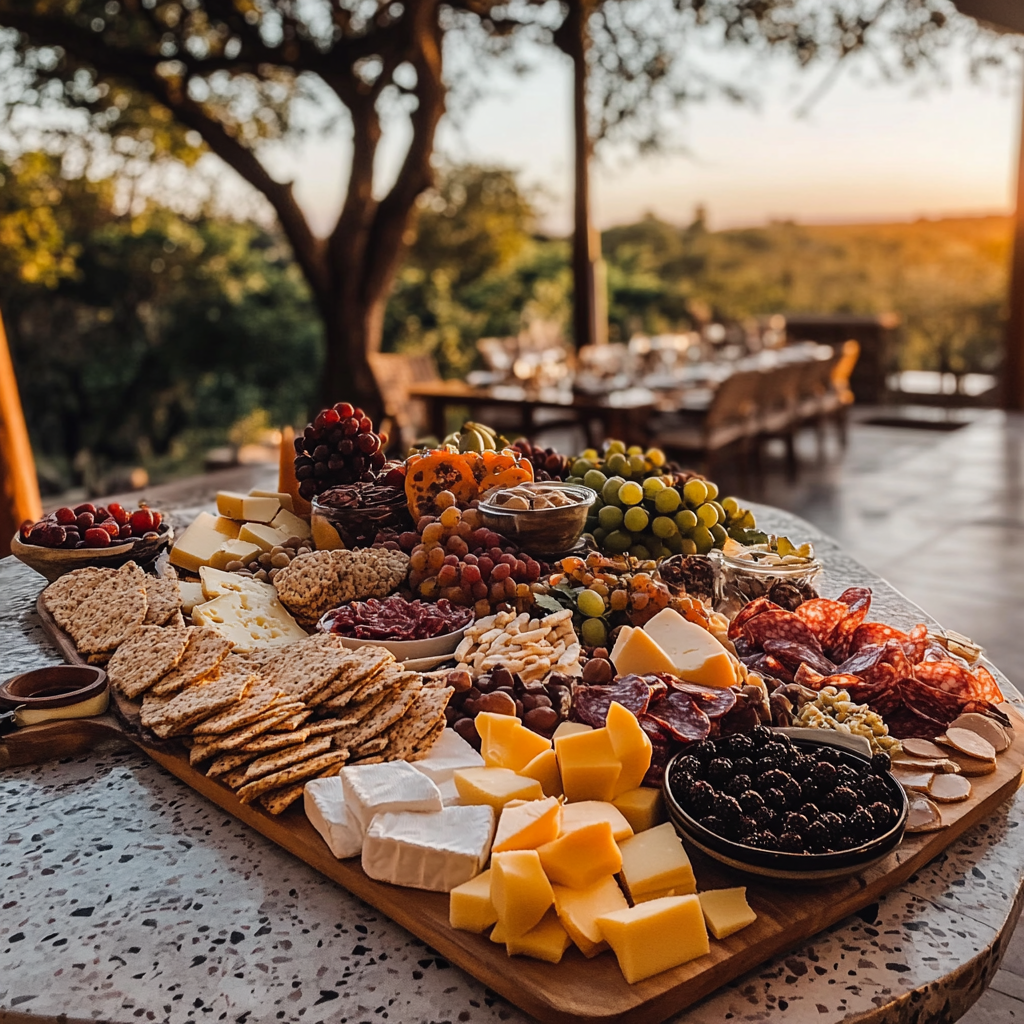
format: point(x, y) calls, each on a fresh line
point(939, 705)
point(714, 702)
point(837, 646)
point(768, 665)
point(807, 676)
point(657, 685)
point(855, 597)
point(658, 735)
point(904, 724)
point(840, 680)
point(988, 689)
point(874, 634)
point(793, 655)
point(947, 676)
point(917, 642)
point(896, 656)
point(748, 612)
point(778, 624)
point(679, 715)
point(864, 659)
point(822, 615)
point(590, 704)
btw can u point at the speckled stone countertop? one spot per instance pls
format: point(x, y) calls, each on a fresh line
point(125, 896)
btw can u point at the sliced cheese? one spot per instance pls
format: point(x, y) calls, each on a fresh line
point(520, 891)
point(216, 582)
point(243, 551)
point(495, 786)
point(632, 747)
point(263, 535)
point(191, 595)
point(579, 909)
point(435, 851)
point(228, 527)
point(324, 803)
point(567, 728)
point(544, 768)
point(196, 546)
point(587, 812)
point(284, 500)
point(694, 653)
point(640, 654)
point(656, 936)
point(643, 808)
point(291, 525)
point(545, 941)
point(248, 620)
point(581, 857)
point(528, 825)
point(588, 765)
point(392, 786)
point(248, 507)
point(726, 911)
point(469, 905)
point(655, 860)
point(620, 642)
point(514, 746)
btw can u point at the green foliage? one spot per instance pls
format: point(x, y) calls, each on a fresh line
point(159, 335)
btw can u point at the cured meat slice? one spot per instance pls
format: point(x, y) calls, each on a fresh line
point(807, 676)
point(917, 641)
point(870, 634)
point(679, 715)
point(822, 615)
point(863, 660)
point(590, 704)
point(769, 665)
point(793, 655)
point(948, 676)
point(658, 686)
point(938, 705)
point(711, 700)
point(837, 646)
point(778, 624)
point(904, 723)
point(840, 680)
point(656, 733)
point(855, 597)
point(748, 612)
point(988, 689)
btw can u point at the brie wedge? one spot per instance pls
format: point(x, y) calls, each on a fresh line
point(391, 786)
point(324, 802)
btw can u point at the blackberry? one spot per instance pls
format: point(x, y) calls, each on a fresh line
point(713, 824)
point(728, 808)
point(745, 827)
point(689, 764)
point(702, 797)
point(801, 766)
point(796, 822)
point(764, 764)
point(719, 771)
point(881, 814)
point(843, 800)
point(744, 765)
point(738, 785)
point(682, 784)
point(831, 755)
point(847, 776)
point(810, 811)
point(818, 838)
point(751, 801)
point(783, 740)
point(812, 791)
point(874, 789)
point(779, 755)
point(791, 843)
point(835, 823)
point(791, 788)
point(880, 762)
point(740, 745)
point(774, 778)
point(861, 825)
point(775, 799)
point(761, 735)
point(765, 818)
point(704, 751)
point(763, 841)
point(824, 774)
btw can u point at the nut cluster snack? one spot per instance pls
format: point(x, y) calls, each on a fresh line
point(833, 709)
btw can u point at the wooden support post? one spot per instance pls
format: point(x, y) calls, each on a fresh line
point(1013, 361)
point(19, 499)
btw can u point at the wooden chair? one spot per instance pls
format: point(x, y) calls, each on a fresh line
point(778, 411)
point(19, 499)
point(395, 373)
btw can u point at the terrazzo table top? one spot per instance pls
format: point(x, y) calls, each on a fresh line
point(125, 896)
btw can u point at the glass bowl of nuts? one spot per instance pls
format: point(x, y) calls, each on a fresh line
point(751, 571)
point(543, 518)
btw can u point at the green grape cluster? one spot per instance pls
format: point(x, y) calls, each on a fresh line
point(629, 463)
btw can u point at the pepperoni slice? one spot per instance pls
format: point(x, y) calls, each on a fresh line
point(590, 704)
point(807, 676)
point(838, 644)
point(679, 715)
point(822, 615)
point(988, 689)
point(778, 624)
point(917, 642)
point(793, 655)
point(855, 597)
point(948, 676)
point(874, 634)
point(896, 656)
point(904, 724)
point(939, 705)
point(714, 702)
point(747, 612)
point(864, 660)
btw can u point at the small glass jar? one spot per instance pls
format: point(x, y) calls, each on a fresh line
point(744, 579)
point(366, 514)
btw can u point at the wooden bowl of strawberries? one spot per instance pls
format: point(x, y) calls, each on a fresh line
point(88, 534)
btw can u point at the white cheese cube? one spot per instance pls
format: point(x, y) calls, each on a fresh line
point(247, 506)
point(191, 595)
point(391, 786)
point(291, 525)
point(449, 753)
point(324, 802)
point(429, 851)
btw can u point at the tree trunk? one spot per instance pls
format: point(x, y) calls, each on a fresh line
point(351, 331)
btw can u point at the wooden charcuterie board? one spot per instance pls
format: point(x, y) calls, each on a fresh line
point(576, 990)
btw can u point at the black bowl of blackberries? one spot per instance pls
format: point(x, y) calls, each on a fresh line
point(785, 808)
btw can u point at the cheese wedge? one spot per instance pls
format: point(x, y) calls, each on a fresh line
point(528, 825)
point(469, 906)
point(581, 857)
point(234, 551)
point(197, 545)
point(695, 655)
point(226, 526)
point(579, 909)
point(284, 500)
point(567, 728)
point(520, 891)
point(655, 860)
point(263, 535)
point(545, 941)
point(643, 808)
point(544, 768)
point(324, 803)
point(248, 620)
point(632, 747)
point(726, 911)
point(291, 525)
point(510, 746)
point(394, 786)
point(191, 595)
point(216, 582)
point(247, 507)
point(656, 936)
point(641, 654)
point(495, 787)
point(588, 765)
point(586, 812)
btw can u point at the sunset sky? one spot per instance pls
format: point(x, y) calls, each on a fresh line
point(866, 151)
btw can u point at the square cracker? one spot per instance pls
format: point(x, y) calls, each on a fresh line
point(259, 699)
point(279, 800)
point(423, 716)
point(305, 667)
point(283, 758)
point(382, 717)
point(63, 597)
point(163, 599)
point(145, 657)
point(293, 721)
point(304, 770)
point(424, 743)
point(231, 741)
point(112, 610)
point(227, 763)
point(374, 746)
point(206, 650)
point(172, 716)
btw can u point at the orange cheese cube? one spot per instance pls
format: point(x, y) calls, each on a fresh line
point(579, 909)
point(655, 860)
point(469, 905)
point(567, 728)
point(643, 808)
point(544, 768)
point(487, 721)
point(581, 857)
point(494, 786)
point(528, 825)
point(520, 891)
point(726, 911)
point(545, 941)
point(641, 654)
point(588, 765)
point(515, 746)
point(632, 747)
point(656, 936)
point(586, 812)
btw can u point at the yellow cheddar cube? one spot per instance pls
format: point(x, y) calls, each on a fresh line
point(579, 909)
point(656, 936)
point(545, 941)
point(586, 812)
point(581, 857)
point(291, 525)
point(568, 729)
point(234, 551)
point(655, 860)
point(643, 808)
point(641, 654)
point(494, 786)
point(726, 911)
point(197, 545)
point(501, 725)
point(226, 526)
point(263, 535)
point(588, 765)
point(469, 906)
point(632, 747)
point(528, 825)
point(499, 933)
point(284, 500)
point(696, 655)
point(520, 891)
point(544, 768)
point(248, 507)
point(510, 746)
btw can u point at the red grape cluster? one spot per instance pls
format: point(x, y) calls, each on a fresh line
point(338, 447)
point(455, 557)
point(91, 526)
point(547, 463)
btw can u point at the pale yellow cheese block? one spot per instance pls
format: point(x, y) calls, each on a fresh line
point(228, 527)
point(197, 545)
point(579, 909)
point(234, 551)
point(247, 507)
point(520, 891)
point(586, 812)
point(695, 654)
point(544, 768)
point(469, 907)
point(263, 535)
point(547, 940)
point(567, 728)
point(643, 808)
point(291, 525)
point(284, 500)
point(655, 860)
point(248, 621)
point(216, 582)
point(726, 911)
point(656, 936)
point(528, 825)
point(494, 786)
point(641, 654)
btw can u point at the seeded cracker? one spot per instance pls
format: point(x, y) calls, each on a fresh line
point(114, 609)
point(258, 700)
point(63, 597)
point(282, 759)
point(175, 715)
point(163, 600)
point(299, 771)
point(409, 736)
point(240, 737)
point(275, 741)
point(206, 650)
point(305, 667)
point(279, 800)
point(227, 763)
point(145, 657)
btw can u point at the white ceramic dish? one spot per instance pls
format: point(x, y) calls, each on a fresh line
point(440, 648)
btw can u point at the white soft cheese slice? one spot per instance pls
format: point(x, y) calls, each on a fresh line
point(248, 620)
point(391, 786)
point(429, 851)
point(449, 753)
point(324, 802)
point(216, 582)
point(449, 793)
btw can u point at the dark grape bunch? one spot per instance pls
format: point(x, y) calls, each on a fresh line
point(761, 790)
point(338, 447)
point(547, 463)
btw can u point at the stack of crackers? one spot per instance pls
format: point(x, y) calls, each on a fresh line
point(266, 722)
